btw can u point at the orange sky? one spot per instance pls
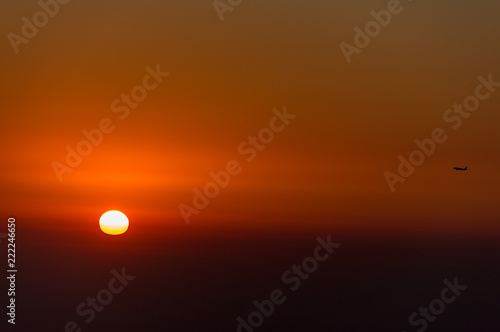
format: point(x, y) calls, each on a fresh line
point(326, 168)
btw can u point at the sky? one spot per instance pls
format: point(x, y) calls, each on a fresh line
point(353, 120)
point(215, 78)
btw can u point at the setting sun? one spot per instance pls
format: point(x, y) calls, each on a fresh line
point(113, 223)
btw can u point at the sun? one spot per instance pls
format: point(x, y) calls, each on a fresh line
point(113, 222)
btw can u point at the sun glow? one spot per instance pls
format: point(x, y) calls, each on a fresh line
point(113, 223)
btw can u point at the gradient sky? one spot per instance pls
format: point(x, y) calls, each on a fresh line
point(326, 168)
point(322, 176)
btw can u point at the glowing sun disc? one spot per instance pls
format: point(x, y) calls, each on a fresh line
point(113, 223)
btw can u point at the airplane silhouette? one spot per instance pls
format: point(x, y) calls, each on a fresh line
point(460, 169)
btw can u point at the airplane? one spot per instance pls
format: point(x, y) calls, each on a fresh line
point(460, 169)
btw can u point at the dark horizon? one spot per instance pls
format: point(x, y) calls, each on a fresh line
point(198, 279)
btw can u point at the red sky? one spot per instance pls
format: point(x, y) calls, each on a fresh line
point(327, 167)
